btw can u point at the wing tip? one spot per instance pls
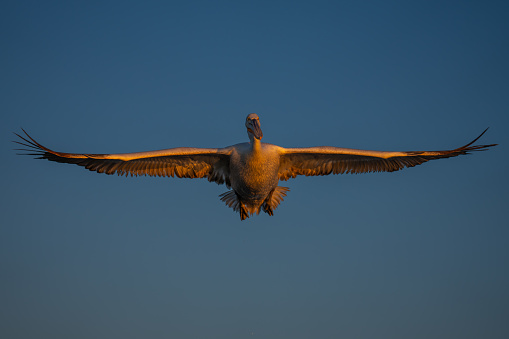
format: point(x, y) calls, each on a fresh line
point(469, 148)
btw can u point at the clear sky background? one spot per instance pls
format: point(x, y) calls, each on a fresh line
point(421, 253)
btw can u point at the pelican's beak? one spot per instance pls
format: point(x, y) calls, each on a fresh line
point(257, 131)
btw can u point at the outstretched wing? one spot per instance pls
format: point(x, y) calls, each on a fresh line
point(183, 162)
point(334, 160)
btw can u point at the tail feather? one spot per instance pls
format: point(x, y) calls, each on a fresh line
point(231, 199)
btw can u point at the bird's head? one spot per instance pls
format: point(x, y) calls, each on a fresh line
point(253, 126)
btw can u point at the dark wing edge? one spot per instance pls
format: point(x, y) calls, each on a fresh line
point(183, 162)
point(333, 160)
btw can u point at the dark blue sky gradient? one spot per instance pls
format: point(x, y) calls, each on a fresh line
point(421, 253)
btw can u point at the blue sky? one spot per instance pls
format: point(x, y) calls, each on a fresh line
point(414, 254)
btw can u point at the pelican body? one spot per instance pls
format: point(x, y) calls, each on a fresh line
point(252, 170)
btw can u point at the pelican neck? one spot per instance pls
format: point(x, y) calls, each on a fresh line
point(256, 144)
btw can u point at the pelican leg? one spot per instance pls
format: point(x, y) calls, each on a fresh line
point(267, 208)
point(243, 211)
point(274, 199)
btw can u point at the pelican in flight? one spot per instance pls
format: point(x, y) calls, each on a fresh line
point(251, 170)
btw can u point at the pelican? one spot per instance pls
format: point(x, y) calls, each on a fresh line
point(251, 170)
